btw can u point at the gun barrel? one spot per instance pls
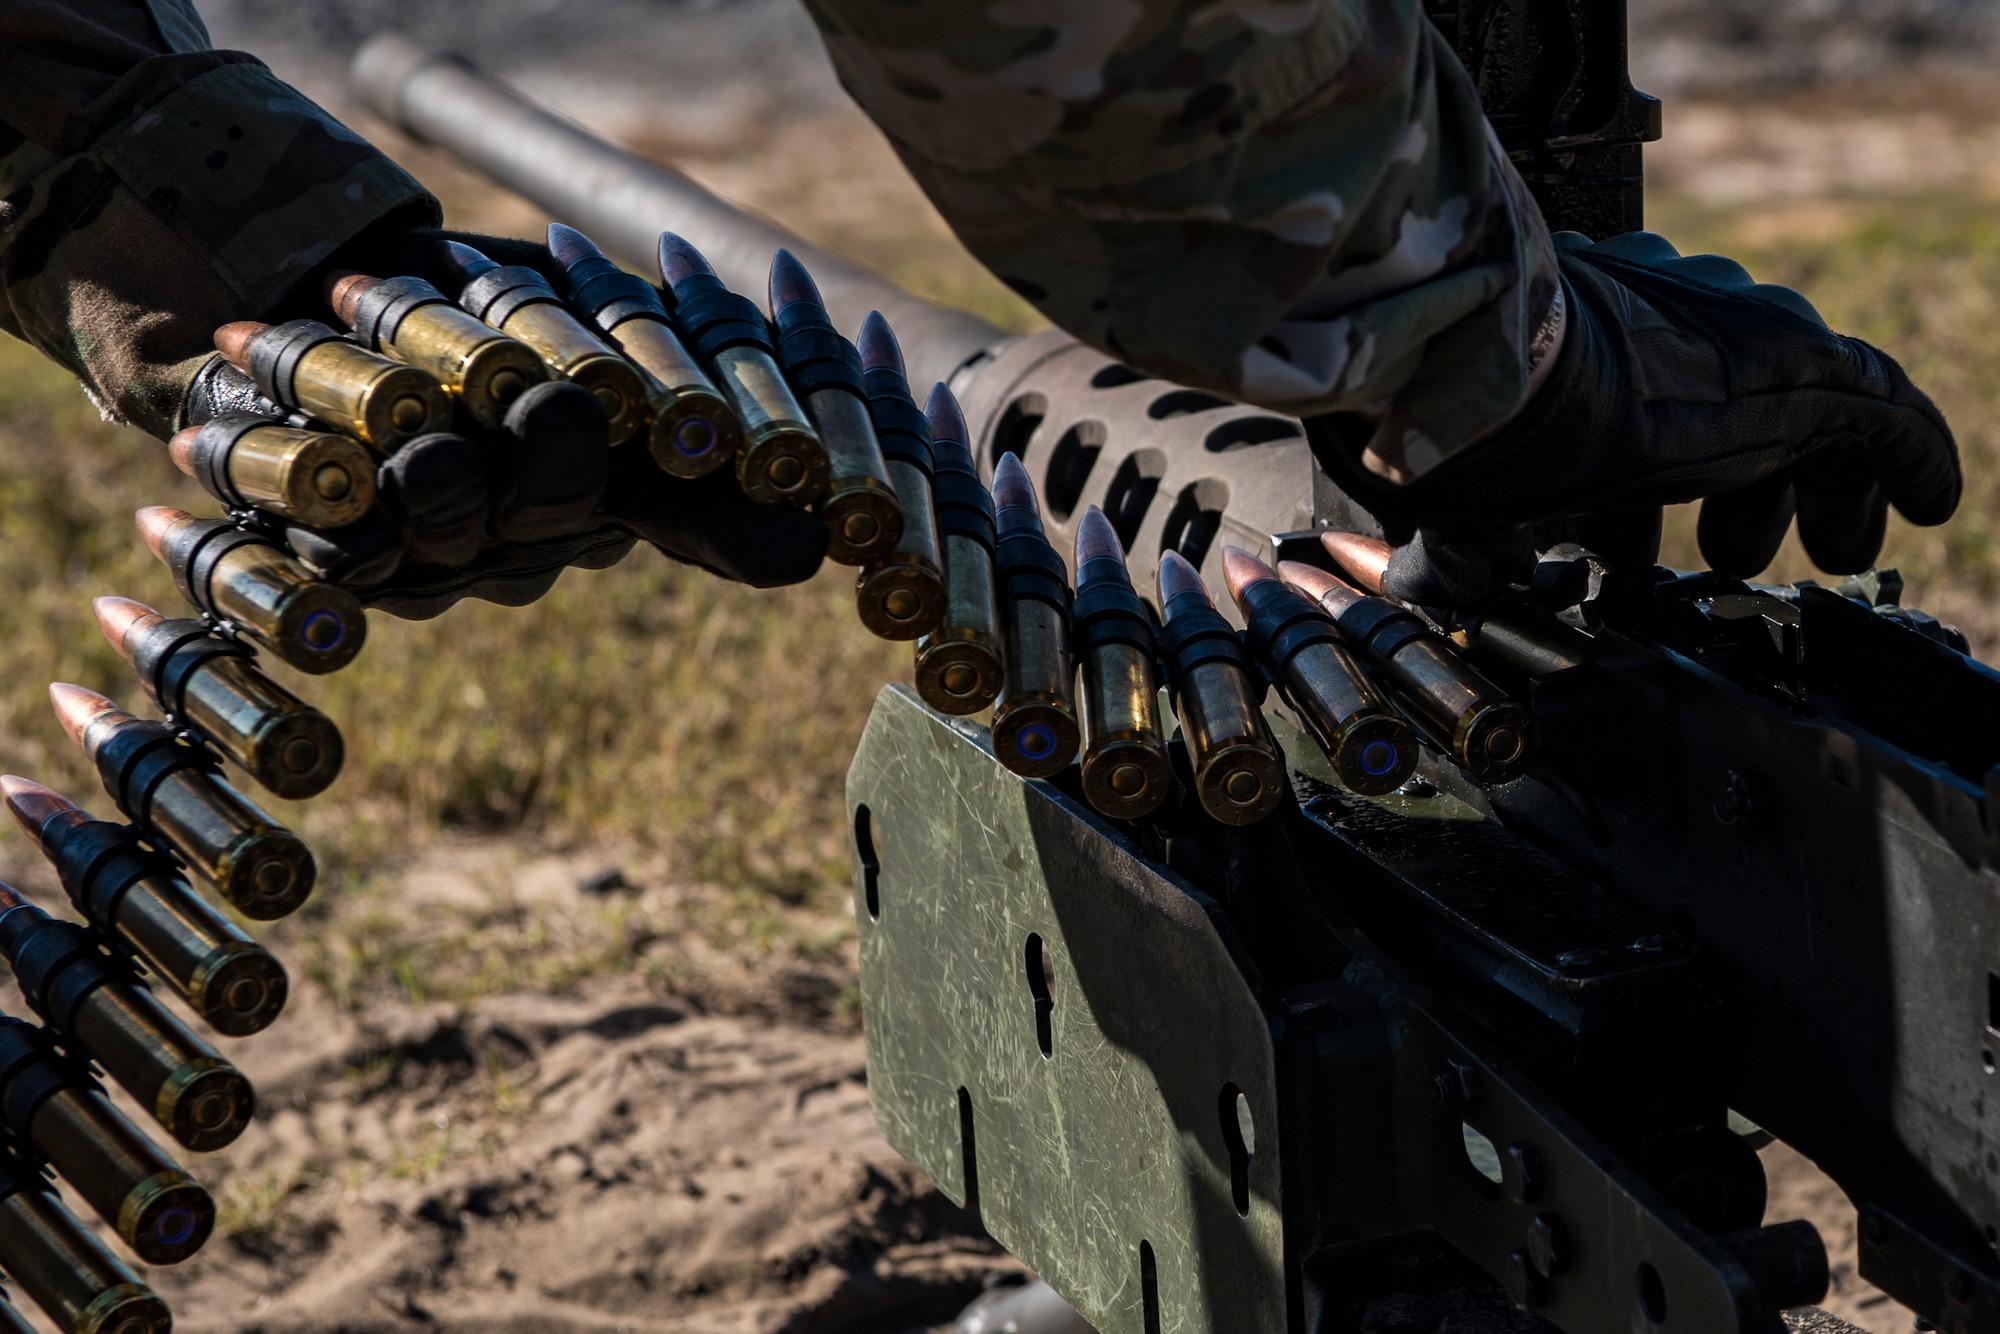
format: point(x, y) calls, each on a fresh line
point(626, 201)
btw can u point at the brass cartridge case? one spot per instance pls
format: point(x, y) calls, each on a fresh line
point(212, 683)
point(901, 595)
point(693, 431)
point(305, 366)
point(1239, 775)
point(1035, 732)
point(782, 460)
point(137, 895)
point(314, 478)
point(958, 669)
point(860, 510)
point(1125, 770)
point(410, 320)
point(519, 302)
point(99, 1008)
point(241, 578)
point(259, 866)
point(1486, 732)
point(83, 1287)
point(160, 1211)
point(1371, 748)
point(59, 1114)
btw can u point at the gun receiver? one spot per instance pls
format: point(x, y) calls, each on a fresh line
point(1478, 1040)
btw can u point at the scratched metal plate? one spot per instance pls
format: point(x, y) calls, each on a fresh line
point(1110, 1164)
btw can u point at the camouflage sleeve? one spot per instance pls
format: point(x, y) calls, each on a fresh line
point(152, 189)
point(1296, 203)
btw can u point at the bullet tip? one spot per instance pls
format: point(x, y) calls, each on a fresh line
point(1314, 582)
point(155, 523)
point(946, 418)
point(679, 259)
point(569, 245)
point(1240, 570)
point(1365, 559)
point(1012, 488)
point(30, 803)
point(117, 617)
point(879, 349)
point(1096, 538)
point(1178, 576)
point(344, 288)
point(791, 283)
point(75, 708)
point(181, 448)
point(233, 341)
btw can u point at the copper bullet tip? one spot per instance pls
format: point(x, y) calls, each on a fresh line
point(569, 245)
point(343, 288)
point(679, 259)
point(1177, 576)
point(1095, 539)
point(791, 283)
point(879, 349)
point(1012, 489)
point(76, 708)
point(181, 448)
point(30, 803)
point(1332, 595)
point(10, 898)
point(1240, 569)
point(233, 342)
point(947, 419)
point(156, 522)
point(1365, 559)
point(119, 617)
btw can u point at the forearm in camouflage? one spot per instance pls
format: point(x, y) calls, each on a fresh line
point(1296, 203)
point(197, 189)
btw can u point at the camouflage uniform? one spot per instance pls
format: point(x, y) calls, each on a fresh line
point(152, 189)
point(1297, 203)
point(1293, 202)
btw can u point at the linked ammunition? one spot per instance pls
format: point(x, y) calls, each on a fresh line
point(900, 595)
point(1464, 713)
point(1125, 770)
point(243, 578)
point(1035, 730)
point(410, 320)
point(212, 684)
point(56, 1112)
point(100, 1010)
point(303, 366)
point(958, 664)
point(1369, 745)
point(520, 303)
point(138, 896)
point(11, 1320)
point(693, 430)
point(782, 461)
point(315, 478)
point(1509, 634)
point(1238, 773)
point(84, 1288)
point(863, 521)
point(172, 789)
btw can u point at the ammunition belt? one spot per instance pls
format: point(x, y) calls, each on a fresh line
point(1380, 626)
point(495, 295)
point(1282, 623)
point(816, 357)
point(380, 311)
point(610, 296)
point(900, 424)
point(30, 1074)
point(274, 360)
point(1107, 611)
point(1026, 566)
point(173, 651)
point(220, 433)
point(1195, 634)
point(714, 319)
point(97, 861)
point(138, 757)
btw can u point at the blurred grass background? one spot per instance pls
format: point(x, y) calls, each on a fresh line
point(700, 730)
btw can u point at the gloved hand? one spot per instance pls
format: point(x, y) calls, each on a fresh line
point(1678, 379)
point(499, 514)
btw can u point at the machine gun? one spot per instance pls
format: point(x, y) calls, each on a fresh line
point(1481, 1044)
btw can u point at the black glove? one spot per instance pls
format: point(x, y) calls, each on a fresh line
point(1678, 379)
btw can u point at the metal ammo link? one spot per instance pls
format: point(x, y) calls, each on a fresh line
point(275, 355)
point(496, 294)
point(139, 756)
point(1195, 633)
point(97, 861)
point(1108, 611)
point(1293, 623)
point(381, 309)
point(900, 424)
point(609, 296)
point(714, 319)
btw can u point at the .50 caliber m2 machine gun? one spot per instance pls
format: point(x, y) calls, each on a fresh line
point(1471, 1049)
